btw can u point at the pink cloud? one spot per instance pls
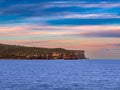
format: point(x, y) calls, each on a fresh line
point(57, 30)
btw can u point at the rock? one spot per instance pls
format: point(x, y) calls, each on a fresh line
point(21, 52)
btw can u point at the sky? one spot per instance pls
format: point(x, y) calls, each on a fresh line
point(90, 25)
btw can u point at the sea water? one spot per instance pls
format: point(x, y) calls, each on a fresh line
point(59, 74)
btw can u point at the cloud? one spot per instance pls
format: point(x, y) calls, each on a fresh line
point(82, 4)
point(65, 43)
point(103, 34)
point(60, 13)
point(85, 16)
point(14, 30)
point(115, 44)
point(68, 15)
point(68, 19)
point(41, 43)
point(42, 8)
point(102, 31)
point(11, 29)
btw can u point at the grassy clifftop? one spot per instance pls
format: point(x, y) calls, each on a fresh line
point(22, 52)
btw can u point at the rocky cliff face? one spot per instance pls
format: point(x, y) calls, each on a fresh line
point(20, 52)
point(66, 55)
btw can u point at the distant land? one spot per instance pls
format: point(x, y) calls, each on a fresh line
point(22, 52)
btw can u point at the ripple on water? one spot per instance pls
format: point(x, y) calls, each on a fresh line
point(60, 75)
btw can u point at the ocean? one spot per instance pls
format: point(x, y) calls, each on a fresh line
point(59, 74)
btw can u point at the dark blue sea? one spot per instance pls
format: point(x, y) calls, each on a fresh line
point(60, 75)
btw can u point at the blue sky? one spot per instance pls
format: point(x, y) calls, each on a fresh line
point(17, 10)
point(91, 25)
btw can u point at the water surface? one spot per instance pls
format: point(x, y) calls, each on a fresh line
point(59, 75)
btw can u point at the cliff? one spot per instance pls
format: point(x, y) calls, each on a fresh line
point(21, 52)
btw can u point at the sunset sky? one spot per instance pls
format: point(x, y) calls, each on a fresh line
point(90, 25)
